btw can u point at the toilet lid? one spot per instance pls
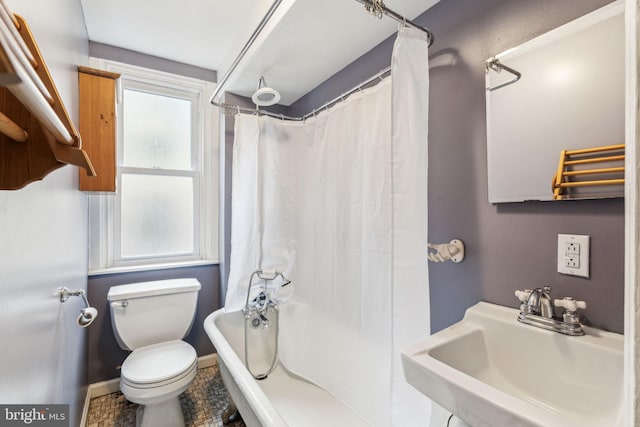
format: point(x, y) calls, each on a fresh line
point(158, 362)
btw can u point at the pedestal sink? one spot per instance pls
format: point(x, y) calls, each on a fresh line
point(492, 371)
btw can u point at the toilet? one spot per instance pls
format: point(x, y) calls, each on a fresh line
point(150, 319)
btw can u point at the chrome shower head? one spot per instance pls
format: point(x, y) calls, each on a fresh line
point(264, 95)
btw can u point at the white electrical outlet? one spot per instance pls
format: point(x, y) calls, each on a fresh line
point(572, 248)
point(573, 254)
point(571, 262)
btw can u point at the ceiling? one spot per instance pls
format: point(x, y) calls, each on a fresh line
point(305, 43)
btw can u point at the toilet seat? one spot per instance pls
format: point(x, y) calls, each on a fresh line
point(159, 364)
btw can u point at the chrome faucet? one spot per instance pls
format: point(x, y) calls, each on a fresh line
point(256, 310)
point(537, 310)
point(539, 302)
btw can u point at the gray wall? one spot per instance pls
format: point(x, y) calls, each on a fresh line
point(509, 246)
point(126, 56)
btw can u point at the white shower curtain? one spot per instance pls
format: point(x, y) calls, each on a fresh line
point(339, 204)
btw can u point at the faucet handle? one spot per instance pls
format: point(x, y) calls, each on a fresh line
point(570, 304)
point(523, 296)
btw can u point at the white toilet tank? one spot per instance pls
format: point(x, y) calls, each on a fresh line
point(152, 312)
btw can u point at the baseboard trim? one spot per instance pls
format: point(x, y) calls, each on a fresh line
point(95, 390)
point(207, 360)
point(103, 388)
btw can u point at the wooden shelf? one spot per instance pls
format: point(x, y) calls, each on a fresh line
point(30, 145)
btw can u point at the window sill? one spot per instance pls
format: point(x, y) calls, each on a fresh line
point(150, 267)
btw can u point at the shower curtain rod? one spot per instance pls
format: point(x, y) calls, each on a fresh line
point(236, 108)
point(397, 17)
point(274, 6)
point(265, 19)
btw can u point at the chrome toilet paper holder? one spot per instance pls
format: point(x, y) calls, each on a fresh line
point(88, 314)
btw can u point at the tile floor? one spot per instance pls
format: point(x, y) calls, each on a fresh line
point(204, 405)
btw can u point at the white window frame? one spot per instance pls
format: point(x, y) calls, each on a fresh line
point(104, 208)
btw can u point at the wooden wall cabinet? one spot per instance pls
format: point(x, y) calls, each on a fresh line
point(98, 127)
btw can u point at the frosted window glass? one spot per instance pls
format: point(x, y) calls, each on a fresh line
point(156, 131)
point(157, 215)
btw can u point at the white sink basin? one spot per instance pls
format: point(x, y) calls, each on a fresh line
point(491, 370)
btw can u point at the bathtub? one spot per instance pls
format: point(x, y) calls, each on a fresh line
point(282, 399)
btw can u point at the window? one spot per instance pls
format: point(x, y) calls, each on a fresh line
point(164, 212)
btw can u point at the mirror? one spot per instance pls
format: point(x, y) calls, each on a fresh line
point(569, 95)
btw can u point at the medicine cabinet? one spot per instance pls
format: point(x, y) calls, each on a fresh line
point(563, 90)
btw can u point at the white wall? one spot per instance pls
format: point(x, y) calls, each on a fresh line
point(43, 243)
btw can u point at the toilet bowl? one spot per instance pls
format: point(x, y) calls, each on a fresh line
point(150, 319)
point(155, 376)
